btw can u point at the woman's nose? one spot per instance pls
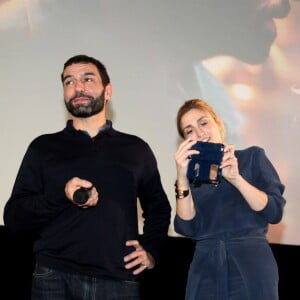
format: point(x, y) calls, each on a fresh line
point(200, 132)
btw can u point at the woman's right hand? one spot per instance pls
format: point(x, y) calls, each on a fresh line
point(182, 158)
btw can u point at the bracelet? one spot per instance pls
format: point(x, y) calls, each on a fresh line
point(180, 194)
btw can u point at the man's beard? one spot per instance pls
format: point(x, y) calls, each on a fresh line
point(93, 107)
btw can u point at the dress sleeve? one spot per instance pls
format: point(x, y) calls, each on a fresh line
point(186, 228)
point(268, 180)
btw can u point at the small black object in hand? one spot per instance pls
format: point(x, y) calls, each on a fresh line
point(81, 195)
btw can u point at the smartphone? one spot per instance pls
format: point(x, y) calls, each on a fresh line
point(205, 166)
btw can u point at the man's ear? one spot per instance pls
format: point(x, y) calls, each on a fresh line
point(108, 92)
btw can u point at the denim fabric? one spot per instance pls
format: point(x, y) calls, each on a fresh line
point(49, 284)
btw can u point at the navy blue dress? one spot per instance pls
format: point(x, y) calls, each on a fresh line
point(233, 259)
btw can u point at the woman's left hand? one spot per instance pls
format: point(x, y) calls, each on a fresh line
point(229, 165)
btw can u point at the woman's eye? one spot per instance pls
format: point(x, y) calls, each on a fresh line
point(187, 133)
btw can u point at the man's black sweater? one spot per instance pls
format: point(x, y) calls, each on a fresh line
point(91, 240)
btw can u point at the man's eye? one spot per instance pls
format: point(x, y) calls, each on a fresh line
point(68, 82)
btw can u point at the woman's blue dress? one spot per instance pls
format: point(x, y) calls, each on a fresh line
point(233, 259)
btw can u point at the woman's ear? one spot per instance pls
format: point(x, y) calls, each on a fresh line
point(221, 128)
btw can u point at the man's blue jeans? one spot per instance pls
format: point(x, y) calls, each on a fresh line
point(49, 284)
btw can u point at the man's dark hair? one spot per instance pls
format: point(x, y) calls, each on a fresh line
point(84, 59)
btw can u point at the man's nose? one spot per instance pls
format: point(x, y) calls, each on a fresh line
point(79, 86)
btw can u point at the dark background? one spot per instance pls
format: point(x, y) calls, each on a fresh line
point(166, 282)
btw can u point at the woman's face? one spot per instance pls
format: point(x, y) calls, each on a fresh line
point(199, 125)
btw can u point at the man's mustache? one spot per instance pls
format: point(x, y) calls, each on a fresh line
point(78, 95)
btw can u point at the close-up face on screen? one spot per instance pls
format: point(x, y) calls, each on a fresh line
point(242, 57)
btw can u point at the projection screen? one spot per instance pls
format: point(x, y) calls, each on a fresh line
point(243, 57)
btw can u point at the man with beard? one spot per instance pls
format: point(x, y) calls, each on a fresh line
point(89, 249)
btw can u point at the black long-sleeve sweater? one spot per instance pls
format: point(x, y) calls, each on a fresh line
point(89, 241)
